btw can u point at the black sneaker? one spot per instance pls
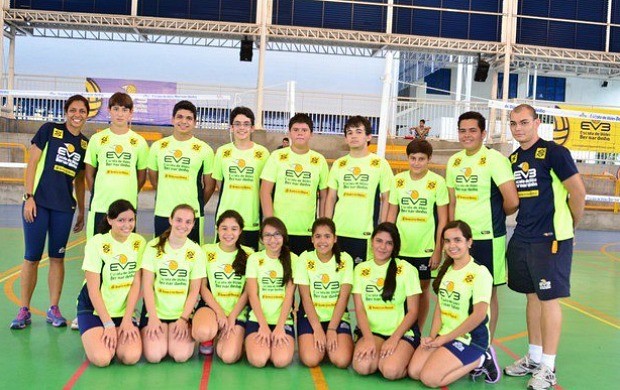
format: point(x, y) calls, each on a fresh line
point(491, 368)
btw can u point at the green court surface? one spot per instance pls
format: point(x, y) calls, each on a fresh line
point(45, 357)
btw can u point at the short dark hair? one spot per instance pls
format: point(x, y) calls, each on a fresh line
point(358, 120)
point(241, 110)
point(474, 115)
point(526, 107)
point(423, 121)
point(184, 105)
point(301, 118)
point(286, 139)
point(420, 146)
point(120, 99)
point(77, 98)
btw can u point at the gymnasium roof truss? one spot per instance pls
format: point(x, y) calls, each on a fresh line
point(126, 28)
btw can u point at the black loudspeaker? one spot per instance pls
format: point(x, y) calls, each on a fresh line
point(245, 54)
point(482, 71)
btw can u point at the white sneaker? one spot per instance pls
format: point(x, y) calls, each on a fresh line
point(74, 324)
point(542, 379)
point(522, 367)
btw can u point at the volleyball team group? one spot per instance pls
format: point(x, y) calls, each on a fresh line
point(286, 222)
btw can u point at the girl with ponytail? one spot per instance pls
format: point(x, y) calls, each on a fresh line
point(110, 293)
point(325, 278)
point(269, 283)
point(459, 336)
point(386, 293)
point(173, 267)
point(222, 310)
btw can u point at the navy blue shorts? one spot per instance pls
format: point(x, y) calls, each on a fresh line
point(300, 244)
point(54, 224)
point(542, 268)
point(491, 254)
point(467, 354)
point(421, 264)
point(87, 321)
point(163, 223)
point(304, 327)
point(250, 238)
point(356, 247)
point(413, 340)
point(252, 327)
point(239, 322)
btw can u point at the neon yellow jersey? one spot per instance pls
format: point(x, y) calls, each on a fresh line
point(225, 285)
point(475, 180)
point(324, 282)
point(360, 183)
point(117, 263)
point(368, 281)
point(297, 179)
point(117, 159)
point(180, 166)
point(459, 292)
point(173, 271)
point(268, 274)
point(239, 171)
point(417, 202)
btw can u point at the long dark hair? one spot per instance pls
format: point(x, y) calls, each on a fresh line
point(466, 230)
point(389, 286)
point(241, 257)
point(116, 208)
point(161, 242)
point(285, 252)
point(327, 222)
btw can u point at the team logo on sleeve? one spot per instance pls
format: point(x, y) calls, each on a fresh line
point(133, 141)
point(431, 185)
point(84, 144)
point(258, 155)
point(211, 256)
point(190, 255)
point(136, 245)
point(57, 133)
point(163, 145)
point(310, 265)
point(342, 164)
point(284, 157)
point(469, 279)
point(261, 262)
point(400, 183)
point(374, 162)
point(457, 162)
point(314, 160)
point(196, 147)
point(104, 140)
point(399, 270)
point(159, 253)
point(541, 153)
point(483, 161)
point(106, 248)
point(226, 153)
point(365, 272)
point(513, 158)
point(341, 266)
point(171, 268)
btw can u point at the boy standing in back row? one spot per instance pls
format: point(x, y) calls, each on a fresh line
point(359, 186)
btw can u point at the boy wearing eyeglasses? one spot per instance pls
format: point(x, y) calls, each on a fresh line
point(180, 168)
point(237, 169)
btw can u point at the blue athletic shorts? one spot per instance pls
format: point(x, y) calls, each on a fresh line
point(467, 354)
point(492, 254)
point(413, 340)
point(54, 224)
point(356, 247)
point(300, 244)
point(421, 264)
point(542, 268)
point(304, 327)
point(252, 327)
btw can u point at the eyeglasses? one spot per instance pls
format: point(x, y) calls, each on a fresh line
point(242, 124)
point(269, 236)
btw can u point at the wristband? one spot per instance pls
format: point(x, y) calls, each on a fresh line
point(334, 329)
point(108, 324)
point(184, 319)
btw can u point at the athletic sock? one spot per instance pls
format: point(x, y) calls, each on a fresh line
point(535, 353)
point(549, 361)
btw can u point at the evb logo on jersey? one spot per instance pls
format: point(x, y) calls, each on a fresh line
point(118, 153)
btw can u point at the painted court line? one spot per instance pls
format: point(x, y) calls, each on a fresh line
point(76, 375)
point(590, 312)
point(607, 254)
point(206, 372)
point(318, 378)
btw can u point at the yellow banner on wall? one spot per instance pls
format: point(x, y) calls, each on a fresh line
point(587, 134)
